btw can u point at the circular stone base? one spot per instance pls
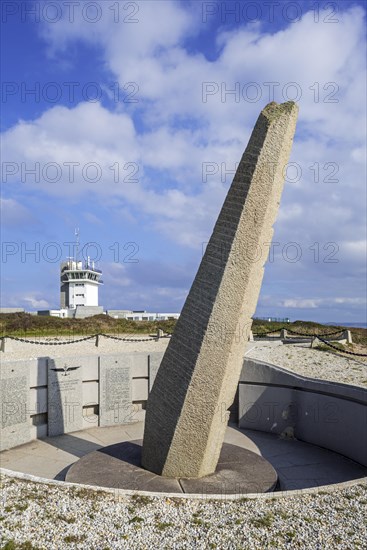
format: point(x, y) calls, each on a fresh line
point(239, 471)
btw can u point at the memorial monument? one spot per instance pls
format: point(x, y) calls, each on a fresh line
point(187, 409)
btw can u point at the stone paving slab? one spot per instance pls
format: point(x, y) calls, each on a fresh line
point(118, 466)
point(299, 464)
point(239, 471)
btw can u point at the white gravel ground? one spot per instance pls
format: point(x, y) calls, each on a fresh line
point(35, 515)
point(53, 517)
point(311, 362)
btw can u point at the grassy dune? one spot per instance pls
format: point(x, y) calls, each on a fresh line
point(27, 325)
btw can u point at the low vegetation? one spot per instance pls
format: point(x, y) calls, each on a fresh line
point(28, 325)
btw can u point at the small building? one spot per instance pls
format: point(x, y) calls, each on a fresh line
point(12, 310)
point(140, 315)
point(273, 319)
point(63, 313)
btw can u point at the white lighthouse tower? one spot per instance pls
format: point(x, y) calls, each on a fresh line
point(79, 283)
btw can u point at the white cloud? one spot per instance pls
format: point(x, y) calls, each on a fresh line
point(91, 218)
point(301, 303)
point(292, 212)
point(116, 275)
point(14, 214)
point(31, 301)
point(352, 301)
point(170, 89)
point(359, 155)
point(314, 303)
point(171, 131)
point(356, 248)
point(87, 133)
point(170, 77)
point(147, 284)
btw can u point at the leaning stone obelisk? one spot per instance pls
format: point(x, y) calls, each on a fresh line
point(187, 409)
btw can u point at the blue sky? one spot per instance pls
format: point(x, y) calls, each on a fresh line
point(126, 119)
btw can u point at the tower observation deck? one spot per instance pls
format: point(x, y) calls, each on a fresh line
point(79, 282)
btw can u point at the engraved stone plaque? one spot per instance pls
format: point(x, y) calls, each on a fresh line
point(65, 402)
point(14, 397)
point(115, 390)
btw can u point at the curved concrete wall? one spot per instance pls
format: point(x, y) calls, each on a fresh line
point(270, 399)
point(328, 414)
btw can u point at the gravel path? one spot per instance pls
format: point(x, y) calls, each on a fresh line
point(34, 515)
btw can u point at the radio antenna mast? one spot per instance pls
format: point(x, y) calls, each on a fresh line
point(77, 233)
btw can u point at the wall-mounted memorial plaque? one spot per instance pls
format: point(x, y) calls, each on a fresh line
point(14, 397)
point(65, 403)
point(115, 390)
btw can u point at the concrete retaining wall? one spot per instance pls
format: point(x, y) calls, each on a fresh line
point(328, 414)
point(270, 399)
point(26, 411)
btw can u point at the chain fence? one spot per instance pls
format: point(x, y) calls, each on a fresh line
point(91, 337)
point(311, 336)
point(297, 333)
point(342, 350)
point(39, 343)
point(150, 339)
point(168, 335)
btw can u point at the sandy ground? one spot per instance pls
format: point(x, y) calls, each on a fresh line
point(311, 362)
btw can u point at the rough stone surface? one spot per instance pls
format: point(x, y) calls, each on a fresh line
point(187, 409)
point(155, 360)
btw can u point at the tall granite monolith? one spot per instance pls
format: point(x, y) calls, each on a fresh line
point(187, 409)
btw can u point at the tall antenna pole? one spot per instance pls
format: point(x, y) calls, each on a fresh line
point(77, 243)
